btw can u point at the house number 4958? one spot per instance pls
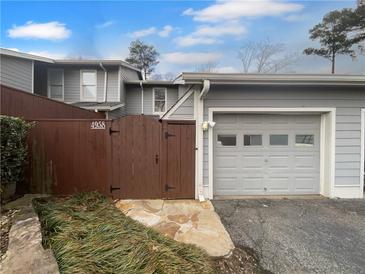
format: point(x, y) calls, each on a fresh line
point(97, 125)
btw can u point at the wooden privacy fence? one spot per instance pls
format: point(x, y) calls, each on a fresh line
point(131, 157)
point(19, 103)
point(68, 156)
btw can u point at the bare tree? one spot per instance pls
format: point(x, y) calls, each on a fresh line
point(169, 76)
point(247, 54)
point(208, 67)
point(265, 57)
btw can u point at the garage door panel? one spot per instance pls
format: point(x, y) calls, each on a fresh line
point(278, 161)
point(305, 162)
point(254, 161)
point(284, 166)
point(227, 162)
point(252, 184)
point(226, 185)
point(278, 184)
point(305, 184)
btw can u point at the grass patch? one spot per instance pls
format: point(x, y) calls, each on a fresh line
point(89, 235)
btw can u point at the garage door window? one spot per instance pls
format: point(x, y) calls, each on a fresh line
point(278, 139)
point(252, 140)
point(304, 140)
point(226, 140)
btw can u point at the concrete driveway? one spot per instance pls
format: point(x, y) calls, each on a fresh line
point(299, 236)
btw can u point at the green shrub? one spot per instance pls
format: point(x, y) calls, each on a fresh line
point(13, 148)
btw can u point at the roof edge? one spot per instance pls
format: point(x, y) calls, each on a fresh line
point(24, 55)
point(268, 79)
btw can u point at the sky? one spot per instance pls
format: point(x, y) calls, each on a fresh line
point(187, 34)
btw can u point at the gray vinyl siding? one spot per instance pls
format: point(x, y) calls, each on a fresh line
point(347, 101)
point(126, 74)
point(185, 111)
point(72, 75)
point(113, 86)
point(16, 73)
point(133, 99)
point(117, 113)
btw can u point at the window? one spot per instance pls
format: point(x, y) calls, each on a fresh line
point(304, 140)
point(159, 100)
point(278, 139)
point(226, 140)
point(88, 85)
point(252, 140)
point(55, 84)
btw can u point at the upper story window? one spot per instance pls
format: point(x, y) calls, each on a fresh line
point(88, 85)
point(55, 89)
point(159, 100)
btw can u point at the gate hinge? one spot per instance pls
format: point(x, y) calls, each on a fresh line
point(167, 135)
point(168, 188)
point(113, 188)
point(111, 131)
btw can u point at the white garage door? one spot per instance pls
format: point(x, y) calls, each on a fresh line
point(266, 154)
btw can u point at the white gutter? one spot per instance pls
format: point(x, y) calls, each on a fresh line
point(141, 84)
point(105, 80)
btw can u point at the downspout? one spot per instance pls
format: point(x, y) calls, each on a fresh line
point(141, 84)
point(205, 89)
point(105, 80)
point(199, 100)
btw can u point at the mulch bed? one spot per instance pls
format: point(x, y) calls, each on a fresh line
point(242, 261)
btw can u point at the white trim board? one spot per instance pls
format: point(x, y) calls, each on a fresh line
point(327, 150)
point(362, 147)
point(182, 100)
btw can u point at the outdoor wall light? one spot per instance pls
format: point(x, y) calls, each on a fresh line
point(207, 124)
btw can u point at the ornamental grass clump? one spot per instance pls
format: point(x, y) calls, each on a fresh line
point(88, 234)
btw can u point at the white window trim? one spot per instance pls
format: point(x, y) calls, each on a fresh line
point(153, 101)
point(49, 86)
point(96, 85)
point(327, 150)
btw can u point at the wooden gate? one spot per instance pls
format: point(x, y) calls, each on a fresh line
point(152, 159)
point(135, 157)
point(178, 159)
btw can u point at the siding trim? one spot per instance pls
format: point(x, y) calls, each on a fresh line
point(119, 81)
point(362, 152)
point(330, 115)
point(177, 104)
point(33, 76)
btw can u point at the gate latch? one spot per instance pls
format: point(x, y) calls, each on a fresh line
point(168, 188)
point(113, 188)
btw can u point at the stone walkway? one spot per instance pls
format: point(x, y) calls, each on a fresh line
point(25, 252)
point(187, 221)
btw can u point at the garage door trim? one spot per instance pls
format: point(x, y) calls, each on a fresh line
point(327, 146)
